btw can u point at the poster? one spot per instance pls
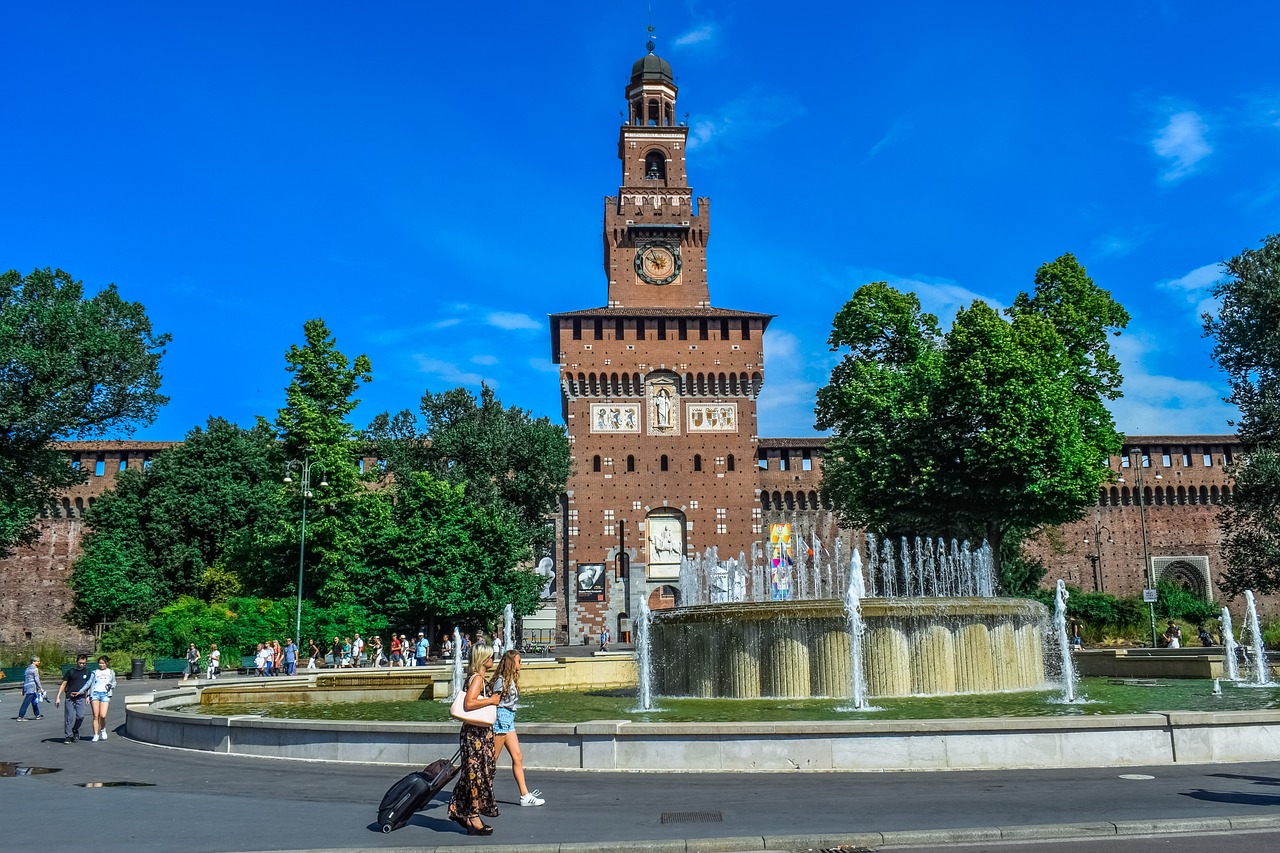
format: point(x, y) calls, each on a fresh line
point(591, 582)
point(780, 562)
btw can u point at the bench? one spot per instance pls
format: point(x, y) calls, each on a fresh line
point(248, 664)
point(163, 667)
point(13, 677)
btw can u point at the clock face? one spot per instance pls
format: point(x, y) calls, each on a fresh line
point(658, 264)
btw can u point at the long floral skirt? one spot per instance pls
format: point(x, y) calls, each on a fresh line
point(473, 792)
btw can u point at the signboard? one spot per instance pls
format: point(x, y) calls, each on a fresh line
point(780, 562)
point(1149, 596)
point(591, 582)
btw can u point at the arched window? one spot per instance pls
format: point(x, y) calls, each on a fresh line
point(697, 461)
point(595, 464)
point(631, 464)
point(655, 166)
point(764, 501)
point(662, 463)
point(729, 462)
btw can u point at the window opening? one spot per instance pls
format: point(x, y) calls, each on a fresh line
point(662, 463)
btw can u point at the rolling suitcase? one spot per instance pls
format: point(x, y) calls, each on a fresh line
point(412, 793)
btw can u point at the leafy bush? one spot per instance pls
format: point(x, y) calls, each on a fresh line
point(1177, 603)
point(239, 624)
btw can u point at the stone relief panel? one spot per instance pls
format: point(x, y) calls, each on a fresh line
point(614, 417)
point(666, 546)
point(664, 405)
point(712, 417)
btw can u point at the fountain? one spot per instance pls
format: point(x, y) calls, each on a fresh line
point(1261, 671)
point(1231, 650)
point(857, 630)
point(508, 628)
point(644, 659)
point(1064, 642)
point(455, 685)
point(948, 635)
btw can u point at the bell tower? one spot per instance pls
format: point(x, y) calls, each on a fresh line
point(655, 234)
point(658, 389)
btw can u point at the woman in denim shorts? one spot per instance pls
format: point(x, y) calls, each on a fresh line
point(507, 680)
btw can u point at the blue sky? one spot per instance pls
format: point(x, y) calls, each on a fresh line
point(428, 177)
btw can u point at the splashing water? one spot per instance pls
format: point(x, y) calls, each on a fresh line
point(455, 684)
point(1229, 640)
point(1064, 643)
point(857, 629)
point(644, 656)
point(1261, 671)
point(508, 628)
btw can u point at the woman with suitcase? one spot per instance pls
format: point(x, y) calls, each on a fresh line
point(473, 793)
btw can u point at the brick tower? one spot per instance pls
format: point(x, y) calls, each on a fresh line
point(658, 388)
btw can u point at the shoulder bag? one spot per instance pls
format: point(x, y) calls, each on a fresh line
point(484, 716)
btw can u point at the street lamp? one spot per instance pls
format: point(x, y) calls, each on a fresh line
point(1148, 575)
point(1096, 557)
point(304, 467)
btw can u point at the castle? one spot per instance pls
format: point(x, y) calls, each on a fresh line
point(658, 393)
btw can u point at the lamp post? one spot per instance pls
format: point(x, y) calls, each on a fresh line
point(304, 467)
point(1096, 557)
point(1135, 461)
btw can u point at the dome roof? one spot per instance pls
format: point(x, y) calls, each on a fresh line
point(652, 67)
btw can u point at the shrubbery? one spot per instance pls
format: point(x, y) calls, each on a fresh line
point(239, 624)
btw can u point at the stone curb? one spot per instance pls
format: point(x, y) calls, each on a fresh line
point(873, 840)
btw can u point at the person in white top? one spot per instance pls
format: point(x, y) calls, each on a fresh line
point(215, 661)
point(100, 690)
point(357, 651)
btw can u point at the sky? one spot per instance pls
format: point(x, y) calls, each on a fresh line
point(428, 178)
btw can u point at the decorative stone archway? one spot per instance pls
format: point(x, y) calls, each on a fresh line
point(664, 597)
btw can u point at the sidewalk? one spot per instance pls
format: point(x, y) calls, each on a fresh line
point(207, 803)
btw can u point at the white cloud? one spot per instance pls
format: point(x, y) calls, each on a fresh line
point(444, 324)
point(697, 35)
point(1156, 404)
point(899, 129)
point(448, 371)
point(752, 114)
point(484, 359)
point(1195, 286)
point(785, 406)
point(512, 321)
point(939, 296)
point(544, 366)
point(1182, 143)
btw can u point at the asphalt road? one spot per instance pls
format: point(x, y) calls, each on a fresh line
point(207, 803)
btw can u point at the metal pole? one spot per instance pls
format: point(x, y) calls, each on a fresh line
point(1146, 548)
point(302, 549)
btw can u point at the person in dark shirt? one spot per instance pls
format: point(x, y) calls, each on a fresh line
point(75, 685)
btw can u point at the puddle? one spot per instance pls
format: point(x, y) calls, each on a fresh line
point(9, 768)
point(116, 785)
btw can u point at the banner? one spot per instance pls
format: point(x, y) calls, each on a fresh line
point(780, 562)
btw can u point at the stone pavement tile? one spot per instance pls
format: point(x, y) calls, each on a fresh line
point(834, 839)
point(489, 848)
point(669, 846)
point(1156, 827)
point(934, 837)
point(1057, 830)
point(1255, 821)
point(740, 844)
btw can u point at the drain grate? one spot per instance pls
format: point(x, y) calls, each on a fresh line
point(692, 817)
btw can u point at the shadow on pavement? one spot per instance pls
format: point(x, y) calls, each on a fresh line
point(1233, 797)
point(1261, 780)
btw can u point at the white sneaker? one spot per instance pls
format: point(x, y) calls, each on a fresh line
point(104, 735)
point(532, 799)
point(95, 738)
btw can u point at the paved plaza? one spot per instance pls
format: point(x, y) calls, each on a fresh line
point(201, 803)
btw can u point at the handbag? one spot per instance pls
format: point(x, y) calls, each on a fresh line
point(485, 716)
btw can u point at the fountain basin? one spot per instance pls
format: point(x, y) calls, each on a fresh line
point(800, 649)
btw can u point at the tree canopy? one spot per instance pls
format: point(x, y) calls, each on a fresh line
point(988, 430)
point(71, 366)
point(1246, 332)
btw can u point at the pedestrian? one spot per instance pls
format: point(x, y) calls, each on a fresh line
point(1174, 635)
point(346, 651)
point(335, 652)
point(506, 683)
point(75, 686)
point(421, 649)
point(357, 650)
point(314, 652)
point(260, 660)
point(193, 664)
point(376, 655)
point(1203, 634)
point(1075, 632)
point(32, 690)
point(104, 684)
point(473, 792)
point(396, 659)
point(277, 658)
point(268, 659)
point(604, 639)
point(290, 657)
point(497, 645)
point(214, 667)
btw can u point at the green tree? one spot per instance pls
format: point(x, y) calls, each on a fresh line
point(156, 535)
point(991, 430)
point(1246, 334)
point(506, 459)
point(70, 367)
